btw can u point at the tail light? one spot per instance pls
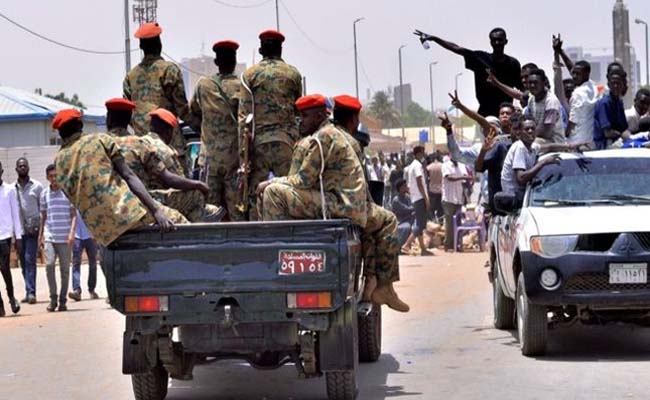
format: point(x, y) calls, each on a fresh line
point(146, 304)
point(309, 300)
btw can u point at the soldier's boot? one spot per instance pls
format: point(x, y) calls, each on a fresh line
point(385, 294)
point(369, 288)
point(2, 308)
point(213, 213)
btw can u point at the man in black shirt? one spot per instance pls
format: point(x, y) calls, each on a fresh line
point(505, 68)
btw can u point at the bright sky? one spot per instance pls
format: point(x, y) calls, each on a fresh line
point(320, 47)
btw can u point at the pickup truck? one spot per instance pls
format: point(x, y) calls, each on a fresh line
point(269, 293)
point(578, 248)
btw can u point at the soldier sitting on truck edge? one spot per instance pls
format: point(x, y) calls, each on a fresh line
point(379, 238)
point(118, 116)
point(110, 197)
point(154, 162)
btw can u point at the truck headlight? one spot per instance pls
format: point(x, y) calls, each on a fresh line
point(553, 246)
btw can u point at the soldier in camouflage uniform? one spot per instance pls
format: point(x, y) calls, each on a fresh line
point(379, 239)
point(298, 196)
point(155, 163)
point(156, 83)
point(215, 104)
point(275, 87)
point(109, 196)
point(118, 116)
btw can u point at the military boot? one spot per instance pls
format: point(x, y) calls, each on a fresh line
point(369, 288)
point(2, 308)
point(385, 294)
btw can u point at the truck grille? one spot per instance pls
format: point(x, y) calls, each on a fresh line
point(599, 282)
point(644, 239)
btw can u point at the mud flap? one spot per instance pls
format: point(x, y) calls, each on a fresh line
point(338, 346)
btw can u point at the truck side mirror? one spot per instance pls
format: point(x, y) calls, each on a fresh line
point(505, 203)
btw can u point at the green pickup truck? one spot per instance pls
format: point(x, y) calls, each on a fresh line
point(269, 293)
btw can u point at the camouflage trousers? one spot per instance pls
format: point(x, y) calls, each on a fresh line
point(284, 202)
point(267, 157)
point(223, 192)
point(380, 244)
point(190, 203)
point(175, 216)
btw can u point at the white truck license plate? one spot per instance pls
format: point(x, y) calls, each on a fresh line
point(628, 273)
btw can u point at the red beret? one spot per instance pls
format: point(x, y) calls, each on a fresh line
point(148, 30)
point(166, 116)
point(311, 101)
point(225, 45)
point(64, 116)
point(120, 104)
point(271, 34)
point(347, 102)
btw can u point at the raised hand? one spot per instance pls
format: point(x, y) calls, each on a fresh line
point(490, 139)
point(455, 101)
point(444, 121)
point(491, 79)
point(423, 36)
point(557, 43)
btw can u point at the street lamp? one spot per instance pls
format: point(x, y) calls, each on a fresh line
point(433, 113)
point(460, 121)
point(401, 97)
point(647, 73)
point(356, 68)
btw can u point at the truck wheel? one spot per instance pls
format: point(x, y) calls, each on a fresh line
point(504, 306)
point(341, 385)
point(532, 323)
point(370, 335)
point(152, 385)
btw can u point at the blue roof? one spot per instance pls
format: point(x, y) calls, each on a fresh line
point(21, 105)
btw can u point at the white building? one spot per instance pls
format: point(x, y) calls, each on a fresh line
point(26, 118)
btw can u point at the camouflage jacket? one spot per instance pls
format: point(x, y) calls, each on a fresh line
point(85, 171)
point(145, 158)
point(214, 105)
point(342, 176)
point(118, 132)
point(276, 86)
point(300, 150)
point(168, 154)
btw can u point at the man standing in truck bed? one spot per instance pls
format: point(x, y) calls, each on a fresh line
point(270, 91)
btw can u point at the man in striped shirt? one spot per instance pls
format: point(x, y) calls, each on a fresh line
point(57, 234)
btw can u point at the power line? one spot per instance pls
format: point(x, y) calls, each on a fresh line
point(306, 35)
point(182, 66)
point(365, 75)
point(231, 5)
point(38, 35)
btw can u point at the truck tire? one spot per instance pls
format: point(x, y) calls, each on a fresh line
point(370, 335)
point(341, 385)
point(532, 323)
point(504, 306)
point(152, 385)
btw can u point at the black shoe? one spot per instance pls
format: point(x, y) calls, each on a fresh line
point(93, 295)
point(25, 300)
point(15, 306)
point(2, 310)
point(31, 299)
point(75, 295)
point(52, 306)
point(63, 307)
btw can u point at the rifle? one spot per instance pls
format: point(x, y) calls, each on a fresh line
point(244, 169)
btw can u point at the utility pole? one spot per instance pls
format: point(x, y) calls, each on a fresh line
point(304, 86)
point(460, 121)
point(127, 37)
point(356, 67)
point(647, 66)
point(277, 16)
point(401, 98)
point(433, 112)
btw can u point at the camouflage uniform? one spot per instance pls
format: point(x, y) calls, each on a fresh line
point(379, 239)
point(148, 157)
point(156, 83)
point(87, 176)
point(276, 86)
point(118, 132)
point(214, 104)
point(298, 195)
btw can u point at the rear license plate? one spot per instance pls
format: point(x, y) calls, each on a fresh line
point(628, 273)
point(296, 262)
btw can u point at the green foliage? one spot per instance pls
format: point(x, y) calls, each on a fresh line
point(73, 101)
point(382, 108)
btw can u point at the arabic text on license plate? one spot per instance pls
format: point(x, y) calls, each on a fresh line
point(628, 273)
point(301, 262)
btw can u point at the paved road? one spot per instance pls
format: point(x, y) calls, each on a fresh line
point(445, 348)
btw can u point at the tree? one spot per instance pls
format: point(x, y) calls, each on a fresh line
point(73, 101)
point(382, 109)
point(417, 116)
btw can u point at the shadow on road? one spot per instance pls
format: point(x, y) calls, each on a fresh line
point(230, 380)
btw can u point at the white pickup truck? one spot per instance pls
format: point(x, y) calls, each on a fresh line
point(578, 248)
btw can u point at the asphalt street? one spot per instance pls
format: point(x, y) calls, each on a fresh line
point(444, 348)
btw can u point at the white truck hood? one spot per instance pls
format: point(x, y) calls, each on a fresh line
point(594, 219)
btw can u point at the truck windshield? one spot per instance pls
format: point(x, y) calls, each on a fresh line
point(592, 181)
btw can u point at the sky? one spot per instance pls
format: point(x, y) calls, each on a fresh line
point(319, 43)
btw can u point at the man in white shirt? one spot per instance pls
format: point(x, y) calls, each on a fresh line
point(453, 176)
point(420, 199)
point(582, 105)
point(545, 109)
point(639, 110)
point(10, 228)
